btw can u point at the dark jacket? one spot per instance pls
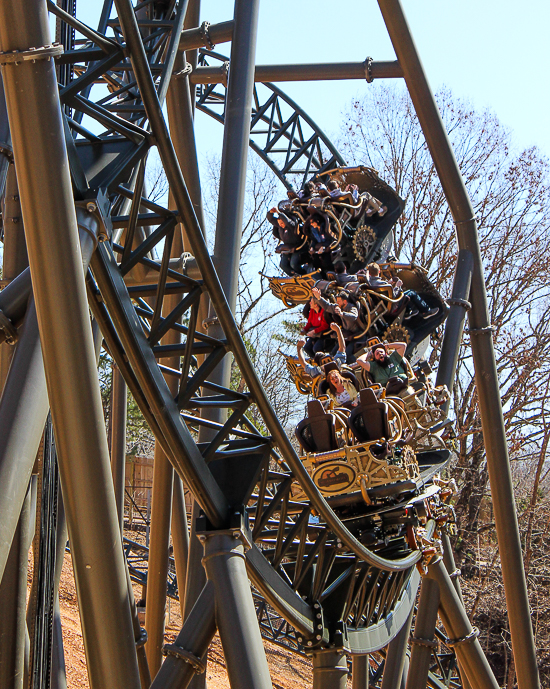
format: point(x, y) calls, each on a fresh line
point(348, 321)
point(289, 233)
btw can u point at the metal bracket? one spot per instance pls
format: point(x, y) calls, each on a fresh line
point(185, 72)
point(178, 652)
point(9, 328)
point(14, 57)
point(472, 636)
point(224, 69)
point(368, 70)
point(460, 302)
point(7, 150)
point(142, 640)
point(207, 322)
point(321, 633)
point(419, 641)
point(482, 331)
point(204, 33)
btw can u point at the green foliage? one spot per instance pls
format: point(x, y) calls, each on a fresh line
point(139, 439)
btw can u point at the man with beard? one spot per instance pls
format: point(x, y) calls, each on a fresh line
point(387, 366)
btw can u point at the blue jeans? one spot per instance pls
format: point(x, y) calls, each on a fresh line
point(417, 300)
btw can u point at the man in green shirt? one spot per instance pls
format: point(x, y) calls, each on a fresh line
point(386, 361)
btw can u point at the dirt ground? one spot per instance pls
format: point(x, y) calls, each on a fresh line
point(288, 670)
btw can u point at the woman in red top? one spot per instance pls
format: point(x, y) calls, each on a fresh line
point(314, 328)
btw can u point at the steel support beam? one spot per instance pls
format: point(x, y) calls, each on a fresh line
point(206, 36)
point(454, 325)
point(457, 625)
point(119, 403)
point(360, 672)
point(494, 434)
point(65, 332)
point(423, 642)
point(224, 562)
point(161, 512)
point(330, 670)
point(23, 413)
point(13, 604)
point(396, 657)
point(183, 657)
point(454, 574)
point(236, 134)
point(367, 70)
point(13, 587)
point(180, 539)
point(58, 676)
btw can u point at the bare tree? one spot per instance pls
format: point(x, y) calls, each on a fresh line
point(258, 312)
point(257, 244)
point(511, 196)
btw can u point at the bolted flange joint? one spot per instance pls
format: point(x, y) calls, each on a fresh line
point(46, 52)
point(468, 639)
point(142, 638)
point(187, 657)
point(9, 328)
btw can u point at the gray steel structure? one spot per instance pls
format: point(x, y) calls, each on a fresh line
point(80, 165)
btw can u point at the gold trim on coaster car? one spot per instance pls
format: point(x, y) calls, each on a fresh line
point(370, 472)
point(293, 291)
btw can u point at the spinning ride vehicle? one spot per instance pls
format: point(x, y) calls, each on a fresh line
point(355, 211)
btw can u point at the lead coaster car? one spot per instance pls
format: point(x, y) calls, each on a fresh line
point(362, 237)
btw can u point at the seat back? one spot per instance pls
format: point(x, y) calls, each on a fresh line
point(317, 433)
point(369, 420)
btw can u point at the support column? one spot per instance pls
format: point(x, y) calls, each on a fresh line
point(14, 259)
point(180, 539)
point(13, 589)
point(13, 604)
point(163, 481)
point(454, 325)
point(494, 434)
point(330, 670)
point(224, 562)
point(423, 642)
point(183, 657)
point(236, 135)
point(119, 403)
point(360, 672)
point(23, 413)
point(58, 281)
point(457, 625)
point(454, 573)
point(58, 675)
point(396, 658)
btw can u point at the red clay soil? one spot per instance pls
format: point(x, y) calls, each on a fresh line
point(288, 670)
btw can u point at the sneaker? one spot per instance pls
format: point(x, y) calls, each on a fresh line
point(411, 314)
point(382, 211)
point(431, 312)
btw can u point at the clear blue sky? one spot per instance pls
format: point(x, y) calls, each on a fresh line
point(492, 52)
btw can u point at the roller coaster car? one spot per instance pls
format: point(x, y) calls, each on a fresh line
point(384, 315)
point(370, 448)
point(365, 233)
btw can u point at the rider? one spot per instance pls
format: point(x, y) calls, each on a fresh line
point(388, 367)
point(287, 230)
point(418, 304)
point(339, 357)
point(346, 315)
point(314, 328)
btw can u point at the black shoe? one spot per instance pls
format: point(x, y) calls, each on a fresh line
point(411, 314)
point(431, 312)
